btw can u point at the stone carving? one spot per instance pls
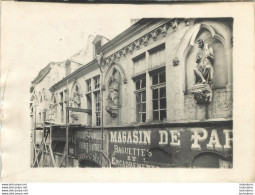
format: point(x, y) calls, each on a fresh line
point(131, 48)
point(99, 58)
point(203, 73)
point(163, 30)
point(52, 107)
point(154, 35)
point(76, 98)
point(176, 61)
point(113, 94)
point(74, 117)
point(137, 44)
point(75, 103)
point(187, 21)
point(124, 51)
point(144, 40)
point(118, 54)
point(175, 23)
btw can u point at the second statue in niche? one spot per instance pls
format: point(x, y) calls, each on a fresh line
point(203, 73)
point(113, 94)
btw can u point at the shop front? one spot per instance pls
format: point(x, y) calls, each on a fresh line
point(186, 145)
point(91, 148)
point(59, 146)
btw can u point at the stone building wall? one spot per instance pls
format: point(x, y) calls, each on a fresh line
point(180, 41)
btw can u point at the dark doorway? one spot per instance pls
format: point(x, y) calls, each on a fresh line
point(210, 160)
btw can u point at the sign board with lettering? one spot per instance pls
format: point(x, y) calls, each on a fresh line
point(89, 146)
point(59, 134)
point(170, 147)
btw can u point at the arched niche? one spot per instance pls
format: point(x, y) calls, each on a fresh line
point(220, 65)
point(76, 94)
point(114, 79)
point(117, 67)
point(218, 35)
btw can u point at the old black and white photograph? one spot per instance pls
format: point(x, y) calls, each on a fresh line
point(104, 88)
point(159, 94)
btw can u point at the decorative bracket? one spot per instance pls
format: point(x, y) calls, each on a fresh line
point(176, 61)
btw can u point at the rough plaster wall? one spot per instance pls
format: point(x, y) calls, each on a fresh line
point(222, 104)
point(175, 76)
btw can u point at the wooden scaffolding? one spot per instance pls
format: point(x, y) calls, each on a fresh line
point(45, 146)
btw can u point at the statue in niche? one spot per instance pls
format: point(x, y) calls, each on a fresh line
point(52, 107)
point(203, 73)
point(113, 94)
point(76, 100)
point(76, 103)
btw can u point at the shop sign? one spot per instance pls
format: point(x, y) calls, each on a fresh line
point(89, 144)
point(158, 147)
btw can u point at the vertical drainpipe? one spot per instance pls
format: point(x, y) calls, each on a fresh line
point(99, 60)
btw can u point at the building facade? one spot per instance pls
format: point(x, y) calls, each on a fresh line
point(157, 95)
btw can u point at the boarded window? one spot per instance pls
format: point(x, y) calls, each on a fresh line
point(139, 64)
point(157, 57)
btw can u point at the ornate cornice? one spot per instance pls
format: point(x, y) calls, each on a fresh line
point(144, 40)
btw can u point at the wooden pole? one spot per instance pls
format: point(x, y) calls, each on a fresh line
point(67, 122)
point(43, 137)
point(102, 103)
point(34, 137)
point(102, 109)
point(51, 153)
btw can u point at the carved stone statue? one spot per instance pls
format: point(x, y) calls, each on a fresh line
point(75, 103)
point(76, 99)
point(113, 95)
point(203, 73)
point(99, 58)
point(205, 59)
point(52, 107)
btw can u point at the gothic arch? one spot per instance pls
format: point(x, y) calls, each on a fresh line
point(219, 32)
point(76, 94)
point(76, 83)
point(114, 79)
point(117, 67)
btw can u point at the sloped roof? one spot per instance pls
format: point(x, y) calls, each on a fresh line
point(43, 72)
